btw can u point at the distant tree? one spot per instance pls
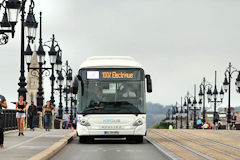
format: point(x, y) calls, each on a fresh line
point(162, 125)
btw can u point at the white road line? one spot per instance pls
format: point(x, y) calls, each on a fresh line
point(163, 149)
point(19, 144)
point(184, 146)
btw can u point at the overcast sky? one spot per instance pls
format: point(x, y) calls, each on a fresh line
point(177, 41)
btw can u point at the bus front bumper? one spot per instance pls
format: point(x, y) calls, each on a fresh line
point(84, 131)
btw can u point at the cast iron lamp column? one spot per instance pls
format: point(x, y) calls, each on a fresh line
point(60, 83)
point(215, 97)
point(41, 69)
point(181, 113)
point(9, 21)
point(68, 74)
point(176, 113)
point(187, 103)
point(202, 96)
point(227, 87)
point(194, 110)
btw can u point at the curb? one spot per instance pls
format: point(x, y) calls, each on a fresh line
point(53, 149)
point(11, 131)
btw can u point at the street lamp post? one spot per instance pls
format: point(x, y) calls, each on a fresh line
point(227, 87)
point(202, 96)
point(75, 106)
point(187, 103)
point(67, 88)
point(181, 113)
point(60, 80)
point(8, 26)
point(176, 113)
point(172, 115)
point(41, 61)
point(215, 97)
point(195, 107)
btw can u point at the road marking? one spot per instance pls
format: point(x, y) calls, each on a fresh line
point(32, 147)
point(90, 150)
point(20, 144)
point(129, 150)
point(184, 146)
point(55, 136)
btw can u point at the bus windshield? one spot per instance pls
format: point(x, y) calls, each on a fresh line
point(112, 97)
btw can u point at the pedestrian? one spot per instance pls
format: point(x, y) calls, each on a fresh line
point(32, 113)
point(209, 126)
point(205, 126)
point(199, 122)
point(47, 110)
point(3, 104)
point(234, 119)
point(65, 120)
point(170, 127)
point(20, 115)
point(219, 124)
point(74, 123)
point(216, 119)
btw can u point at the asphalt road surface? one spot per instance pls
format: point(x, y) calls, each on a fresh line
point(109, 150)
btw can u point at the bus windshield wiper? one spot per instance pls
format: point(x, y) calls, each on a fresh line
point(94, 108)
point(130, 110)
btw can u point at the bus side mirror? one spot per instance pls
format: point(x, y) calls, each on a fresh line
point(149, 83)
point(79, 78)
point(75, 86)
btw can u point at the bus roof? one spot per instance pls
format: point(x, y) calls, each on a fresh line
point(110, 62)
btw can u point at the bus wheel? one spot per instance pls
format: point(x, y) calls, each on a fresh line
point(83, 139)
point(134, 139)
point(139, 139)
point(86, 139)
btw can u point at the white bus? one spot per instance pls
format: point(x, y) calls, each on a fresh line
point(111, 99)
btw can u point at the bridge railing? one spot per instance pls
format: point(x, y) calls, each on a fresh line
point(10, 119)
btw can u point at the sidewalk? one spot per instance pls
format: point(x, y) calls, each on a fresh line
point(32, 143)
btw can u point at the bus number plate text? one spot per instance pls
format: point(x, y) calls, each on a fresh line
point(111, 132)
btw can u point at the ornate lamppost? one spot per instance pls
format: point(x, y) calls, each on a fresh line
point(215, 97)
point(202, 96)
point(41, 62)
point(10, 16)
point(227, 87)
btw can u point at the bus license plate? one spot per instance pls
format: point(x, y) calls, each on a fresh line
point(111, 132)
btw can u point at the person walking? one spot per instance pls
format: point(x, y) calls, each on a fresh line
point(3, 104)
point(74, 123)
point(32, 113)
point(47, 110)
point(20, 115)
point(65, 120)
point(234, 119)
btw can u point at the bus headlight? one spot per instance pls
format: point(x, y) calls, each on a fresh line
point(84, 122)
point(138, 122)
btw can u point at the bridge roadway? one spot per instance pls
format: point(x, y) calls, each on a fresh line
point(175, 144)
point(110, 150)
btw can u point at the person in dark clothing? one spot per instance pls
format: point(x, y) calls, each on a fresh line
point(32, 112)
point(3, 104)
